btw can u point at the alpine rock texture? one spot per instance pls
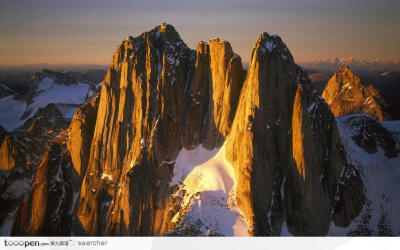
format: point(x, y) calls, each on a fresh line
point(183, 142)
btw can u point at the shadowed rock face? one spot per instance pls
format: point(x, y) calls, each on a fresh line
point(158, 97)
point(81, 133)
point(20, 153)
point(369, 134)
point(45, 210)
point(346, 95)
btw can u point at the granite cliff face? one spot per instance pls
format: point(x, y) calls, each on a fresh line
point(346, 95)
point(287, 159)
point(178, 139)
point(8, 151)
point(157, 97)
point(81, 134)
point(20, 154)
point(45, 210)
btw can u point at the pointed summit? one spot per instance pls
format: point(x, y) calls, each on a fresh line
point(345, 94)
point(167, 29)
point(272, 45)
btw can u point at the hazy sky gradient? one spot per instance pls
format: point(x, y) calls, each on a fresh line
point(88, 31)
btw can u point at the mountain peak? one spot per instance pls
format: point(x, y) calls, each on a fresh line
point(163, 42)
point(345, 94)
point(272, 45)
point(162, 32)
point(346, 71)
point(166, 29)
point(344, 68)
point(164, 26)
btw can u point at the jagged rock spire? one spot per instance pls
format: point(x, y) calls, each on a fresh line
point(283, 139)
point(346, 95)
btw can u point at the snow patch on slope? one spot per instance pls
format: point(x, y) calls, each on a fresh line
point(45, 84)
point(394, 128)
point(381, 177)
point(6, 227)
point(16, 190)
point(285, 230)
point(210, 198)
point(187, 160)
point(391, 126)
point(56, 93)
point(106, 176)
point(12, 110)
point(67, 110)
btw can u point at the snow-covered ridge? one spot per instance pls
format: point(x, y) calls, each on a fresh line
point(391, 126)
point(210, 199)
point(11, 111)
point(381, 178)
point(4, 90)
point(394, 128)
point(187, 160)
point(14, 113)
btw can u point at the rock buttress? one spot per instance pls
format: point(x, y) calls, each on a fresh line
point(157, 96)
point(81, 134)
point(284, 146)
point(47, 208)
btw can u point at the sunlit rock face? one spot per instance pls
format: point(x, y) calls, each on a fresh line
point(8, 151)
point(157, 97)
point(284, 146)
point(182, 142)
point(345, 95)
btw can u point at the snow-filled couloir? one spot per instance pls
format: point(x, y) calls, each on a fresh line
point(207, 182)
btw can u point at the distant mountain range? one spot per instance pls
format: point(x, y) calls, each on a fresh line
point(359, 66)
point(21, 80)
point(59, 67)
point(60, 92)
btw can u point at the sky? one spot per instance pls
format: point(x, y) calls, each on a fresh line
point(88, 31)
